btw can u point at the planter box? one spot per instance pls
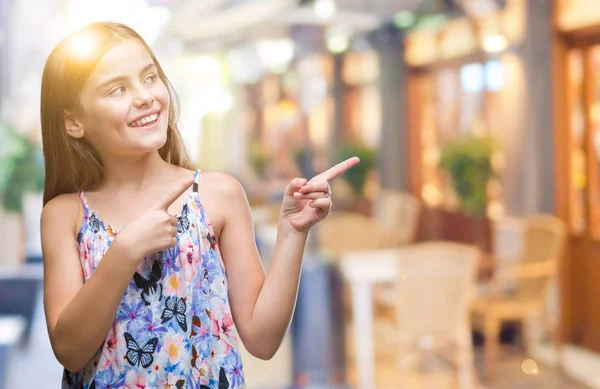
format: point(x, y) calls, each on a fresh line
point(441, 224)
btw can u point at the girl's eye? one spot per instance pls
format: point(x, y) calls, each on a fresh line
point(117, 91)
point(151, 78)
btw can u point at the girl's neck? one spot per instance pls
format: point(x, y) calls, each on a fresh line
point(134, 174)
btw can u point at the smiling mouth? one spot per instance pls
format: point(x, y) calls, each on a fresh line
point(146, 121)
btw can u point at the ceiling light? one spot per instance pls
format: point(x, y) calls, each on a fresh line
point(325, 9)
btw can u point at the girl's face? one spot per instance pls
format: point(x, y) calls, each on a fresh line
point(124, 104)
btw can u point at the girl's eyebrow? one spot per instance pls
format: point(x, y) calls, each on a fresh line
point(121, 78)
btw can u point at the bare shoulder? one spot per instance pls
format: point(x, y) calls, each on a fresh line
point(220, 183)
point(62, 211)
point(221, 194)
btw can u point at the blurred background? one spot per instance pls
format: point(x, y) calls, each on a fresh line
point(462, 252)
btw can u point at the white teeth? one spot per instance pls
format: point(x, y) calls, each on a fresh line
point(144, 120)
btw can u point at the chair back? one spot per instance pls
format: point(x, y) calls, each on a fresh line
point(435, 286)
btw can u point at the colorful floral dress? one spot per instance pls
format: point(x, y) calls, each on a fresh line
point(173, 328)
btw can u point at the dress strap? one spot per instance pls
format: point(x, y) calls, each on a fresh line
point(196, 177)
point(86, 207)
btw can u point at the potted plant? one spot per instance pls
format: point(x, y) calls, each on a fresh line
point(468, 162)
point(357, 177)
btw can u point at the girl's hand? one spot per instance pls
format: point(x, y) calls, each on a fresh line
point(155, 229)
point(307, 203)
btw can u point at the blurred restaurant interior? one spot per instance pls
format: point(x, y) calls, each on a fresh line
point(460, 251)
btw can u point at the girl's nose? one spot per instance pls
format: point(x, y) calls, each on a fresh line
point(143, 97)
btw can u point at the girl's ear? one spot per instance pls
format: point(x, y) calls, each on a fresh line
point(73, 125)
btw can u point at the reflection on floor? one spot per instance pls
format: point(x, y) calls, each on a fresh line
point(511, 375)
point(38, 359)
point(438, 375)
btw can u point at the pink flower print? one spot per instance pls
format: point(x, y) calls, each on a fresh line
point(135, 381)
point(221, 324)
point(169, 382)
point(175, 285)
point(87, 266)
point(87, 262)
point(109, 351)
point(173, 348)
point(202, 371)
point(189, 257)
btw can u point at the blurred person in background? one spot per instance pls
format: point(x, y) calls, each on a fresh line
point(150, 266)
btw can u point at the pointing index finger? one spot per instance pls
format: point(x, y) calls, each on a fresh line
point(174, 194)
point(337, 170)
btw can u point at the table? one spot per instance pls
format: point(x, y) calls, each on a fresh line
point(362, 270)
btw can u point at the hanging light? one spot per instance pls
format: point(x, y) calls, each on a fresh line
point(337, 39)
point(324, 9)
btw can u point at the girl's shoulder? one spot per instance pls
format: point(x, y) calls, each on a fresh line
point(64, 208)
point(217, 180)
point(218, 192)
point(220, 187)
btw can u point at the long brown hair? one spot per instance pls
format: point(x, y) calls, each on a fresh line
point(72, 164)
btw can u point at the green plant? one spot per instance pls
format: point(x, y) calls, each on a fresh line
point(21, 168)
point(357, 176)
point(468, 162)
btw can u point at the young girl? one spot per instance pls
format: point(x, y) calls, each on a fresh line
point(151, 269)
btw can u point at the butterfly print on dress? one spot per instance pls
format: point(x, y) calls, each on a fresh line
point(138, 336)
point(212, 240)
point(137, 355)
point(183, 222)
point(150, 286)
point(175, 307)
point(95, 223)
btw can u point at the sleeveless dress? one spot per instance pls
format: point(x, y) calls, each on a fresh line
point(173, 328)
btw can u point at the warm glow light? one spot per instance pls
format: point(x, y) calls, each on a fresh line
point(495, 210)
point(529, 366)
point(431, 195)
point(495, 43)
point(431, 156)
point(82, 45)
point(325, 9)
